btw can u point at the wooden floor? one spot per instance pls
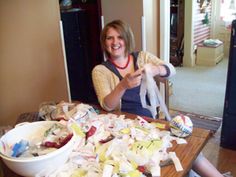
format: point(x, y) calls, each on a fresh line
point(223, 159)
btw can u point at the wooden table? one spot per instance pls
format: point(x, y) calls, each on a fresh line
point(187, 153)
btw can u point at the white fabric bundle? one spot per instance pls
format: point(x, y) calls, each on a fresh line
point(149, 88)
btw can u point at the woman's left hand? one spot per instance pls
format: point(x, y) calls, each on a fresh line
point(155, 70)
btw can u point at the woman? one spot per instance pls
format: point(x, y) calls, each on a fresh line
point(117, 81)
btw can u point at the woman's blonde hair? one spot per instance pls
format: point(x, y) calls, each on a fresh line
point(125, 32)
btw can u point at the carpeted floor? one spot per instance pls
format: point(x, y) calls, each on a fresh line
point(200, 89)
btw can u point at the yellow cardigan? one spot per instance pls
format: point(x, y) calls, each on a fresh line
point(104, 80)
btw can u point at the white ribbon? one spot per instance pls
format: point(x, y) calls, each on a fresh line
point(149, 88)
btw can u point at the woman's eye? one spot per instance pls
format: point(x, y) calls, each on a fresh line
point(108, 38)
point(113, 38)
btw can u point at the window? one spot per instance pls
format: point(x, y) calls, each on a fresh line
point(228, 12)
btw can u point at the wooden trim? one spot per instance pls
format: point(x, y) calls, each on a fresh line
point(166, 84)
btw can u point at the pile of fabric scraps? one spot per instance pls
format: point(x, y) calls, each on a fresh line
point(113, 146)
point(64, 111)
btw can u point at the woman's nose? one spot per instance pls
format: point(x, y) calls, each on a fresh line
point(115, 40)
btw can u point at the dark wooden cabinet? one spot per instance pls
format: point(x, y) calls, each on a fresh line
point(93, 9)
point(79, 53)
point(228, 132)
point(82, 27)
point(176, 31)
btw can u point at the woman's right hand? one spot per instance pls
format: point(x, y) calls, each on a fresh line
point(132, 80)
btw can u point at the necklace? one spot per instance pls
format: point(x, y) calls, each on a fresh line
point(121, 67)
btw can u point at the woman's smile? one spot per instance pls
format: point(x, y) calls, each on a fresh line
point(115, 44)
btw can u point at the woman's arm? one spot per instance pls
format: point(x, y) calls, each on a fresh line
point(129, 81)
point(103, 82)
point(108, 88)
point(157, 70)
point(155, 65)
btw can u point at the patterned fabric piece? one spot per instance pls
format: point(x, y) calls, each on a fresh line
point(28, 117)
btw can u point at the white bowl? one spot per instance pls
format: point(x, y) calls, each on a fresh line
point(31, 166)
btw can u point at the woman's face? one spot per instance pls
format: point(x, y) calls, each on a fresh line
point(115, 44)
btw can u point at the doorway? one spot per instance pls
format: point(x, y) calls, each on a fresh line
point(200, 89)
point(176, 32)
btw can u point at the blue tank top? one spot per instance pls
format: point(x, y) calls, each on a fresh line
point(130, 101)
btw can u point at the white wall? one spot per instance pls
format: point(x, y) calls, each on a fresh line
point(164, 30)
point(218, 29)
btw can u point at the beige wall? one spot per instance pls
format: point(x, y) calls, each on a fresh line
point(151, 19)
point(31, 59)
point(132, 11)
point(189, 56)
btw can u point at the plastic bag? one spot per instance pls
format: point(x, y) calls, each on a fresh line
point(149, 88)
